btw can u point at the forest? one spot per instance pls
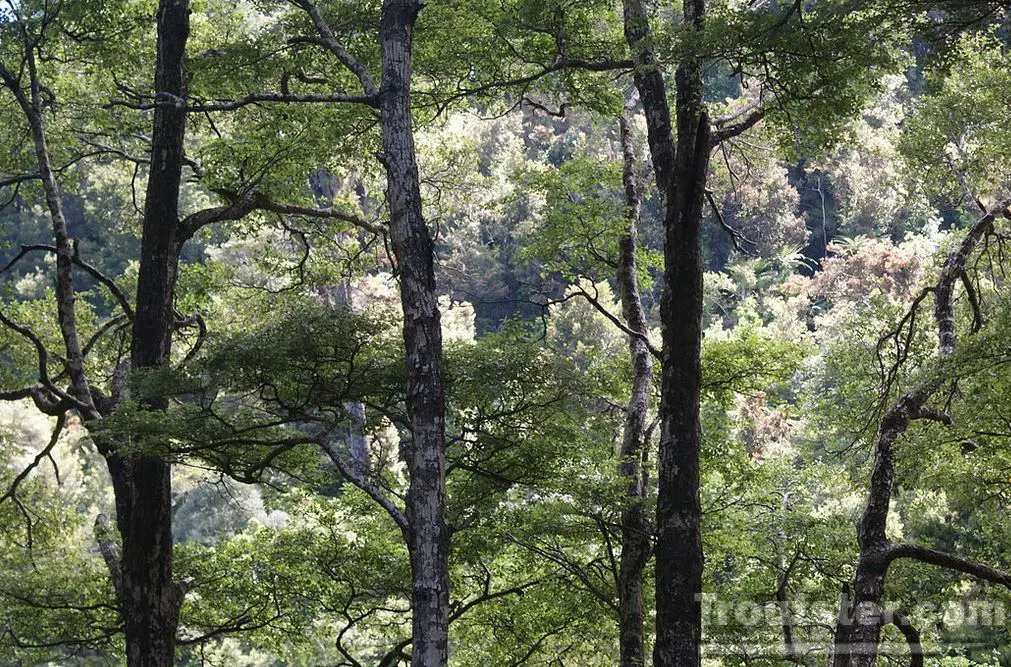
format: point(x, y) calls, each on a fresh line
point(499, 333)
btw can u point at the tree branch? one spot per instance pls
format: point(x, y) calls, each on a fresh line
point(365, 485)
point(241, 205)
point(18, 178)
point(556, 66)
point(43, 365)
point(109, 283)
point(595, 302)
point(912, 635)
point(12, 490)
point(736, 237)
point(252, 98)
point(951, 562)
point(740, 121)
point(105, 535)
point(330, 41)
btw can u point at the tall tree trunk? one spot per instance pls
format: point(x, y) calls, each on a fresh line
point(681, 169)
point(142, 481)
point(636, 537)
point(149, 598)
point(428, 533)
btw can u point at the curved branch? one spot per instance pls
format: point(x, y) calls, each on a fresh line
point(746, 118)
point(12, 490)
point(241, 205)
point(951, 562)
point(625, 329)
point(91, 270)
point(43, 364)
point(912, 635)
point(332, 44)
point(736, 237)
point(373, 491)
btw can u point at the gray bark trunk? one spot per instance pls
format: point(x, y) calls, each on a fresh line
point(428, 533)
point(142, 481)
point(636, 537)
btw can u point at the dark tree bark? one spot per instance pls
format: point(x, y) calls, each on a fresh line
point(142, 574)
point(142, 481)
point(428, 533)
point(636, 532)
point(861, 617)
point(681, 169)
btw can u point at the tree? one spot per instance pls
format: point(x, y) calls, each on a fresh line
point(149, 597)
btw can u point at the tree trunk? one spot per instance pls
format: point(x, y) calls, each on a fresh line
point(681, 169)
point(142, 481)
point(31, 106)
point(149, 598)
point(428, 533)
point(858, 629)
point(636, 535)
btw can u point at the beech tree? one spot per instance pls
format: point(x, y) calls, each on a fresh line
point(425, 490)
point(148, 595)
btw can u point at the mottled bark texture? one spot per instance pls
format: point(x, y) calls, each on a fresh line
point(636, 532)
point(428, 533)
point(681, 166)
point(30, 102)
point(858, 629)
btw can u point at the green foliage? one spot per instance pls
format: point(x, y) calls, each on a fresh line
point(957, 136)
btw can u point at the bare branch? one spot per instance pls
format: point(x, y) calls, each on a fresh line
point(42, 354)
point(951, 562)
point(595, 302)
point(194, 320)
point(973, 296)
point(559, 113)
point(18, 178)
point(104, 149)
point(736, 237)
point(105, 535)
point(252, 98)
point(912, 635)
point(243, 204)
point(952, 270)
point(487, 596)
point(12, 490)
point(373, 491)
point(740, 121)
point(931, 414)
point(109, 283)
point(330, 41)
point(556, 66)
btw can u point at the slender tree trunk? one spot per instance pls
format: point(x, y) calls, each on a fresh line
point(31, 105)
point(142, 481)
point(636, 537)
point(861, 617)
point(681, 169)
point(428, 534)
